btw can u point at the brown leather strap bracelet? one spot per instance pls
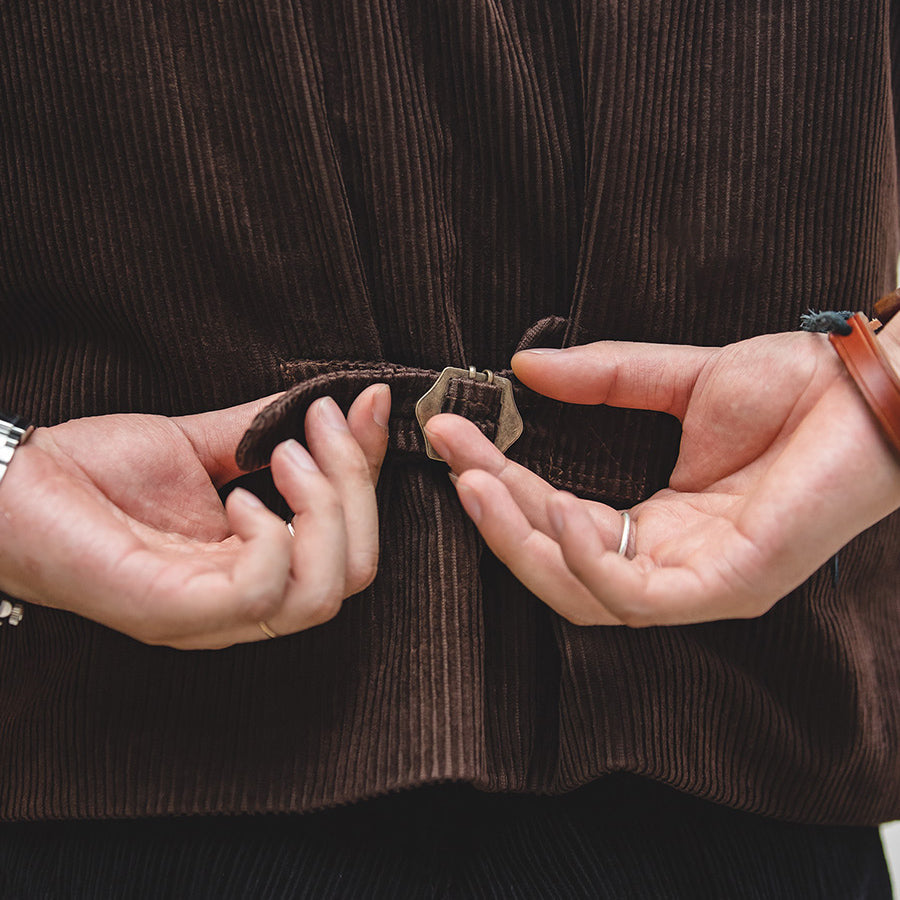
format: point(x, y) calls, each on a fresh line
point(870, 368)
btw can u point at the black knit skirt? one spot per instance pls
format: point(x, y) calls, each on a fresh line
point(622, 837)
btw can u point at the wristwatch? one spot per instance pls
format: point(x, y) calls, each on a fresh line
point(14, 431)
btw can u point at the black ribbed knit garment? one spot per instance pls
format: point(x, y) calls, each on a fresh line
point(203, 203)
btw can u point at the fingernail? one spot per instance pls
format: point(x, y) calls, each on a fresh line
point(542, 351)
point(299, 455)
point(453, 477)
point(381, 406)
point(557, 520)
point(246, 498)
point(470, 502)
point(331, 414)
point(440, 446)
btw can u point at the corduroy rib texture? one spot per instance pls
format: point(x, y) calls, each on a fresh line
point(621, 838)
point(203, 203)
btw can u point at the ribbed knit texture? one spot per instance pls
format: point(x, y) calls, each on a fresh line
point(202, 203)
point(622, 839)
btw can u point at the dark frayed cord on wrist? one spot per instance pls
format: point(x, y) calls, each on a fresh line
point(827, 321)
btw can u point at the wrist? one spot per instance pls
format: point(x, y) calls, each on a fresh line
point(869, 360)
point(14, 431)
point(872, 362)
point(889, 336)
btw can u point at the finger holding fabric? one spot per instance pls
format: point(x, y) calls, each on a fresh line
point(780, 464)
point(331, 489)
point(509, 504)
point(118, 519)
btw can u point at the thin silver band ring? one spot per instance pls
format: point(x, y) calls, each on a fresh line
point(626, 534)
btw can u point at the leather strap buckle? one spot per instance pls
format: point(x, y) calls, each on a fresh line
point(509, 422)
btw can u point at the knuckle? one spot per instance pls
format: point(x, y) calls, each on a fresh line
point(263, 603)
point(323, 607)
point(636, 615)
point(358, 465)
point(329, 502)
point(157, 626)
point(282, 538)
point(154, 638)
point(159, 635)
point(315, 599)
point(361, 573)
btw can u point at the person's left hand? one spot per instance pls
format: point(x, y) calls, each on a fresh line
point(781, 463)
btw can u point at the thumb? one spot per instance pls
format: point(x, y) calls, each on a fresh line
point(215, 436)
point(618, 373)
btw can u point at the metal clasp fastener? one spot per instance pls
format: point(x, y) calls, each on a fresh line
point(509, 422)
point(11, 612)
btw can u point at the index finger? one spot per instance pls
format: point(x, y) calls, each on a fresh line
point(461, 443)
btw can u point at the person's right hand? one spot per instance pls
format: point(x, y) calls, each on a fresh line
point(781, 463)
point(117, 518)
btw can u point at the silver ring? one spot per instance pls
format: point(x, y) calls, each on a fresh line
point(626, 534)
point(290, 527)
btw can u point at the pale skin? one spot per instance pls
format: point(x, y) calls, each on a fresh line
point(781, 463)
point(117, 518)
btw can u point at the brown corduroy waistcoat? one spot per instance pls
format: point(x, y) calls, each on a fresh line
point(203, 203)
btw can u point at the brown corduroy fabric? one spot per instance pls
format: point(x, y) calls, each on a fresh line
point(203, 203)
